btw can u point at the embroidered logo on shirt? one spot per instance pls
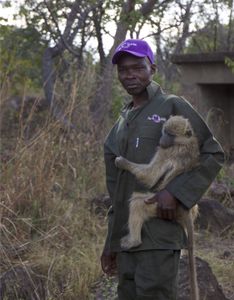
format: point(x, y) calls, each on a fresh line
point(156, 118)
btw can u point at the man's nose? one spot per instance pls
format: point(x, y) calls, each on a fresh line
point(130, 73)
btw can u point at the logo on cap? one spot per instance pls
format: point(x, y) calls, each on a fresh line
point(126, 45)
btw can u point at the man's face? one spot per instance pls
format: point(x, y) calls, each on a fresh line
point(134, 73)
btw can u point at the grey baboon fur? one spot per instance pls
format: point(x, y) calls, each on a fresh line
point(178, 152)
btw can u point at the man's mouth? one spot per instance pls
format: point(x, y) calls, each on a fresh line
point(131, 85)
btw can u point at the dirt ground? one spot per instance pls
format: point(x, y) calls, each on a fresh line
point(219, 253)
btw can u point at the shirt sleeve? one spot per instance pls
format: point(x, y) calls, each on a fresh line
point(189, 187)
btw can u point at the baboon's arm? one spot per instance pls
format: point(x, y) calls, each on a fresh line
point(139, 170)
point(149, 174)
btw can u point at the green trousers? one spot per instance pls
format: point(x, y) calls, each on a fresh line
point(148, 275)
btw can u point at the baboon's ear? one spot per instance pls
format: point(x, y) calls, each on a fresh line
point(188, 131)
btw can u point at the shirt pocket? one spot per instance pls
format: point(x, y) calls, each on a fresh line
point(145, 144)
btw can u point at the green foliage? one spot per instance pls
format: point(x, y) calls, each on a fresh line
point(171, 87)
point(21, 52)
point(158, 78)
point(116, 106)
point(230, 63)
point(119, 99)
point(6, 3)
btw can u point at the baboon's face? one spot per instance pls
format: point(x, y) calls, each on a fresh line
point(176, 130)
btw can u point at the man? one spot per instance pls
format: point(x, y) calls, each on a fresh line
point(149, 271)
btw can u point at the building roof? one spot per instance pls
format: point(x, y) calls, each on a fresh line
point(212, 57)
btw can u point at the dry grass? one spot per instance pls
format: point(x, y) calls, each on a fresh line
point(48, 178)
point(219, 253)
point(47, 182)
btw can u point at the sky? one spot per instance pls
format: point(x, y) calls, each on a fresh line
point(8, 13)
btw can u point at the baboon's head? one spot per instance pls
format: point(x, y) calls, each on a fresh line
point(176, 130)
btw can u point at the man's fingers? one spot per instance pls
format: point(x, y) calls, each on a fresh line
point(166, 214)
point(169, 215)
point(159, 213)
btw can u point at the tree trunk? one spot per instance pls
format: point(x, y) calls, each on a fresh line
point(65, 43)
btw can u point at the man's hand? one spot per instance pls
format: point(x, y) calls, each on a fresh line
point(108, 263)
point(166, 205)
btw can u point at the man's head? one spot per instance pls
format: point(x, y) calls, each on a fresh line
point(135, 65)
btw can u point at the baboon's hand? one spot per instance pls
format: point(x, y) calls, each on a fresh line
point(120, 162)
point(151, 200)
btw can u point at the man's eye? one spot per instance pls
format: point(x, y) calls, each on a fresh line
point(139, 68)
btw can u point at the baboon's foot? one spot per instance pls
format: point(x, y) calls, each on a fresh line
point(127, 242)
point(120, 162)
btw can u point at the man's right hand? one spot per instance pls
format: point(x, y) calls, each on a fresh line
point(108, 263)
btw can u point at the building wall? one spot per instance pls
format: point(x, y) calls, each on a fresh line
point(210, 88)
point(219, 100)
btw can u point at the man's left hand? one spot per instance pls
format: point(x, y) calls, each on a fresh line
point(166, 205)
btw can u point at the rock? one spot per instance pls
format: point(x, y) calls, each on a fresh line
point(21, 282)
point(213, 216)
point(209, 288)
point(221, 191)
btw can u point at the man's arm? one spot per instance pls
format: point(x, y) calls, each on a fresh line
point(189, 187)
point(108, 258)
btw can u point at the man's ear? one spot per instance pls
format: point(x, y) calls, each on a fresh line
point(153, 69)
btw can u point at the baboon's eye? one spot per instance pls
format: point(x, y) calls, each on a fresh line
point(169, 133)
point(188, 132)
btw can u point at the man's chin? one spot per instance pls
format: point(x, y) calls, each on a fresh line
point(133, 91)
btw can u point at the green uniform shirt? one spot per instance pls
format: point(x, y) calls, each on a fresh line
point(135, 136)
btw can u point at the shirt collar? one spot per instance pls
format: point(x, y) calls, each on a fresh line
point(152, 89)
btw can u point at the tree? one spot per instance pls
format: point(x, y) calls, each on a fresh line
point(69, 26)
point(84, 19)
point(173, 29)
point(21, 52)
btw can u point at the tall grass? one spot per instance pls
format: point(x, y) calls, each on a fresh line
point(48, 178)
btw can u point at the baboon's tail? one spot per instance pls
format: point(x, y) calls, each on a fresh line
point(194, 291)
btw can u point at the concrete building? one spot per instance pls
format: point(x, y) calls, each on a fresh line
point(208, 83)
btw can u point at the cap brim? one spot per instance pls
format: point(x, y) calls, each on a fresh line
point(118, 54)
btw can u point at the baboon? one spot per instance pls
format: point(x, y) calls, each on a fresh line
point(178, 152)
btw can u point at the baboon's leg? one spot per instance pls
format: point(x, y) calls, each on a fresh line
point(135, 222)
point(138, 214)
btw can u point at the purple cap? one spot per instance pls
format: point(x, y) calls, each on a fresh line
point(137, 48)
